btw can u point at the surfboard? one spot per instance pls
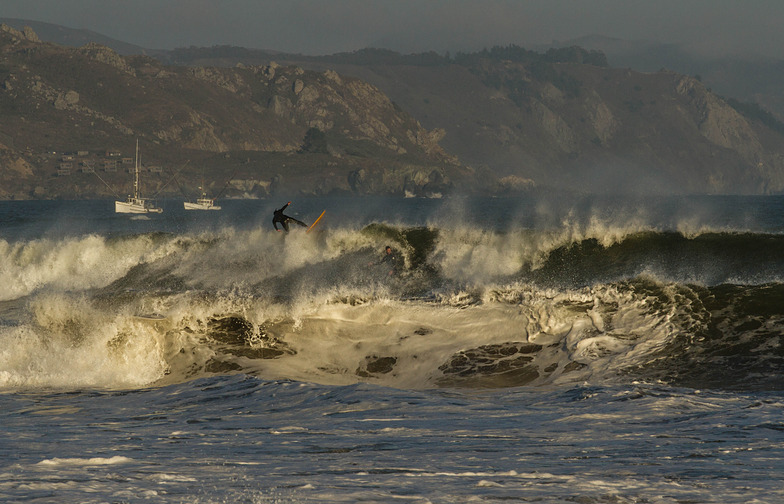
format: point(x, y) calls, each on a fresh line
point(315, 222)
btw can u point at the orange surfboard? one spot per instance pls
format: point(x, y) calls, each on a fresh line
point(315, 222)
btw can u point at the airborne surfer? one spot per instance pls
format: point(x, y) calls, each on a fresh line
point(278, 217)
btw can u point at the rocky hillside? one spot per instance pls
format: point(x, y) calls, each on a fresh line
point(747, 78)
point(566, 119)
point(70, 118)
point(373, 121)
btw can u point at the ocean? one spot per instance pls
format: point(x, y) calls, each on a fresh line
point(539, 348)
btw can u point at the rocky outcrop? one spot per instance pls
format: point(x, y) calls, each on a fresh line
point(554, 125)
point(196, 133)
point(587, 127)
point(718, 122)
point(602, 120)
point(524, 121)
point(65, 100)
point(26, 33)
point(346, 106)
point(105, 55)
point(225, 79)
point(91, 98)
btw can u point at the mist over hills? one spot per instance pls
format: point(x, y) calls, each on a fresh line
point(74, 37)
point(374, 121)
point(747, 78)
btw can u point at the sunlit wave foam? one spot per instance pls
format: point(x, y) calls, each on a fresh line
point(469, 309)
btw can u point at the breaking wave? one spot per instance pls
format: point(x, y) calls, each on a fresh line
point(467, 307)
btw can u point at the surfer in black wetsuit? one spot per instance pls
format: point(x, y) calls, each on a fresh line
point(390, 260)
point(279, 218)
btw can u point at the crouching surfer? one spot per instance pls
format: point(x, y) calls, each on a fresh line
point(390, 260)
point(278, 217)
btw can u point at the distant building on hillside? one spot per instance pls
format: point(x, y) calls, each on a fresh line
point(64, 169)
point(88, 166)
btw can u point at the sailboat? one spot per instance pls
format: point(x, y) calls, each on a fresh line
point(136, 204)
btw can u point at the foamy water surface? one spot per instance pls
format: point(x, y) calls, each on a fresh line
point(527, 349)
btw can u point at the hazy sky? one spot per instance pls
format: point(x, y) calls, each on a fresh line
point(329, 26)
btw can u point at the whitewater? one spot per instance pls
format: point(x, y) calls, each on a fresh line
point(545, 348)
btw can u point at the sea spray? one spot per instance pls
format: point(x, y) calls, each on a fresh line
point(68, 343)
point(599, 355)
point(71, 263)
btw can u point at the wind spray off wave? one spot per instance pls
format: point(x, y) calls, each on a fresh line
point(203, 354)
point(471, 308)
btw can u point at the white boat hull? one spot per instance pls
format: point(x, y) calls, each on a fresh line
point(135, 206)
point(201, 205)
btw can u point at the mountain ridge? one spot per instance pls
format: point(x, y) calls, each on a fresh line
point(374, 121)
point(524, 114)
point(245, 122)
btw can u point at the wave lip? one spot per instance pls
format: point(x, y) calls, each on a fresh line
point(469, 308)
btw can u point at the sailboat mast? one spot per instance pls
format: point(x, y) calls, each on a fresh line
point(136, 178)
